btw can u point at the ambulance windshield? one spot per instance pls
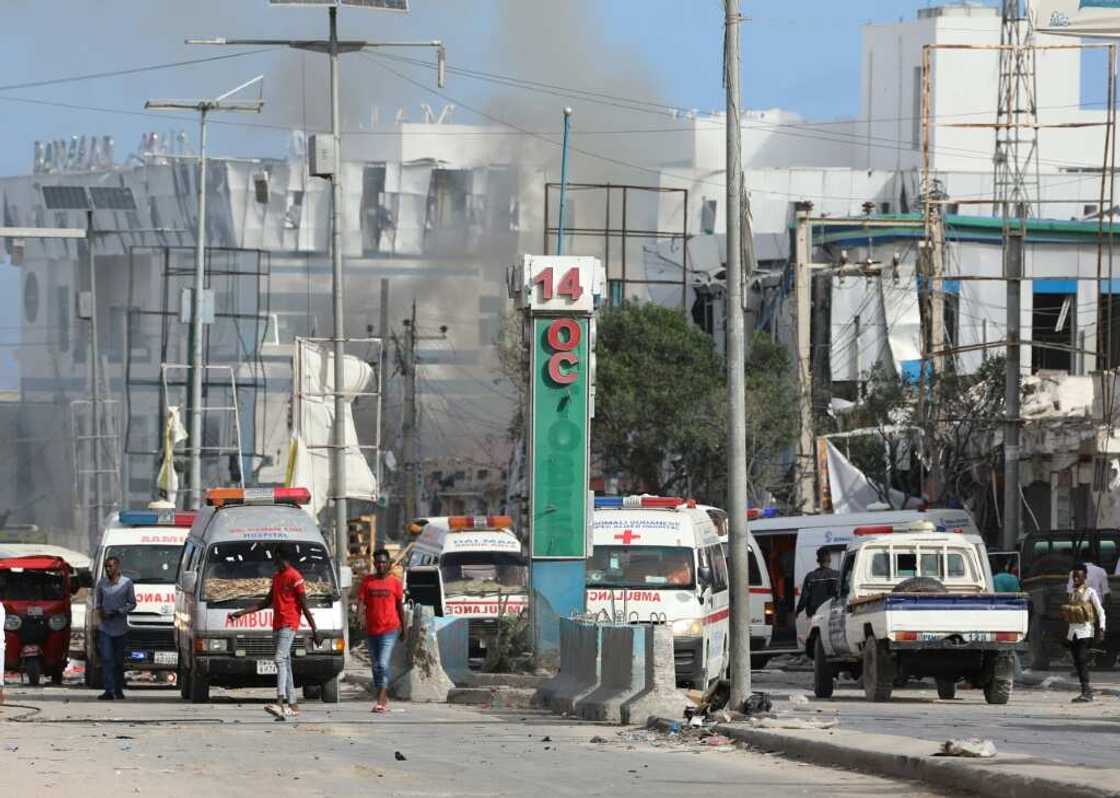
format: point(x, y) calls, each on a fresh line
point(145, 564)
point(483, 573)
point(641, 566)
point(240, 572)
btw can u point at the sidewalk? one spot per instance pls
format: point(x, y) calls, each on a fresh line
point(1007, 775)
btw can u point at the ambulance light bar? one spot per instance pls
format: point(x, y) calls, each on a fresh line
point(888, 529)
point(155, 518)
point(217, 497)
point(641, 502)
point(462, 522)
point(755, 513)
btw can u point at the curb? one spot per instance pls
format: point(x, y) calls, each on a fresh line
point(1005, 776)
point(494, 697)
point(1063, 684)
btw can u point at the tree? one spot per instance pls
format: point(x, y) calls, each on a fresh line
point(660, 408)
point(773, 421)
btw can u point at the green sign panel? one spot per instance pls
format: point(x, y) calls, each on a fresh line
point(559, 454)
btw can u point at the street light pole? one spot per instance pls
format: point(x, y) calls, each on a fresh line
point(196, 372)
point(740, 621)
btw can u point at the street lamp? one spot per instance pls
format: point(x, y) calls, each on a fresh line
point(219, 103)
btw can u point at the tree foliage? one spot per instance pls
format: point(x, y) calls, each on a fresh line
point(661, 406)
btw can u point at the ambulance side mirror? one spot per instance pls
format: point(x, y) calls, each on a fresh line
point(189, 580)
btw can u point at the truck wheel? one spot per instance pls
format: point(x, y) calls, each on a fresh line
point(33, 667)
point(1040, 659)
point(878, 670)
point(998, 691)
point(183, 677)
point(311, 692)
point(329, 690)
point(199, 687)
point(947, 688)
point(823, 680)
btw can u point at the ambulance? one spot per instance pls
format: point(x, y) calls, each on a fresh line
point(148, 544)
point(658, 560)
point(227, 564)
point(470, 567)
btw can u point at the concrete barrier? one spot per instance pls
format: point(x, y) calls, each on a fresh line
point(421, 675)
point(564, 680)
point(454, 649)
point(623, 672)
point(586, 671)
point(660, 696)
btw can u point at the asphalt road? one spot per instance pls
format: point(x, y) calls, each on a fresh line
point(60, 741)
point(1037, 722)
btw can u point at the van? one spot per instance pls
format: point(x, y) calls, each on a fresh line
point(789, 547)
point(149, 545)
point(761, 598)
point(658, 560)
point(469, 567)
point(227, 564)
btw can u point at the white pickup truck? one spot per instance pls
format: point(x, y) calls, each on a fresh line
point(917, 604)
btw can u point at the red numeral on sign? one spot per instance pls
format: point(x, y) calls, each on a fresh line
point(569, 284)
point(544, 280)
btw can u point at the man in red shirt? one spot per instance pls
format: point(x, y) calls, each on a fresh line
point(288, 600)
point(381, 596)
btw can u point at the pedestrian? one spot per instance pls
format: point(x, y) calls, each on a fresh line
point(288, 599)
point(1006, 581)
point(1086, 618)
point(1097, 578)
point(821, 584)
point(381, 599)
point(114, 598)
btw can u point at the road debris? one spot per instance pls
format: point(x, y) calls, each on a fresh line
point(968, 747)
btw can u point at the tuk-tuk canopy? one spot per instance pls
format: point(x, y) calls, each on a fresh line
point(39, 563)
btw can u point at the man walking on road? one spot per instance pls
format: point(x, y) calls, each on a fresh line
point(381, 597)
point(288, 600)
point(114, 598)
point(1085, 615)
point(820, 585)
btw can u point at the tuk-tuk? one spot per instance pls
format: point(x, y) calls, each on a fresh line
point(1047, 558)
point(36, 594)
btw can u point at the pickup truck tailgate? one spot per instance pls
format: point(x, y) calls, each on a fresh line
point(935, 615)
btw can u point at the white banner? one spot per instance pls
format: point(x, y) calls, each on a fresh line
point(1078, 17)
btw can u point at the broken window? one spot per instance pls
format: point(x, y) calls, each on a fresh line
point(376, 214)
point(1108, 331)
point(708, 216)
point(1053, 325)
point(447, 199)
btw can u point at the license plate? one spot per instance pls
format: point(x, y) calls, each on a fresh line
point(34, 612)
point(166, 658)
point(137, 656)
point(266, 667)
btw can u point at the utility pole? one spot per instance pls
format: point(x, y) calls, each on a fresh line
point(195, 423)
point(409, 426)
point(803, 286)
point(95, 380)
point(333, 47)
point(383, 334)
point(1013, 266)
point(740, 643)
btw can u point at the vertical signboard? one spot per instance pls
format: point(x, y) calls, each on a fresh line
point(559, 295)
point(560, 439)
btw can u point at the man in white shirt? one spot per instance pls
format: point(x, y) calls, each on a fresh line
point(1096, 578)
point(1082, 633)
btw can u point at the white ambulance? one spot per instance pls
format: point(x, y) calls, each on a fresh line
point(659, 560)
point(148, 544)
point(471, 567)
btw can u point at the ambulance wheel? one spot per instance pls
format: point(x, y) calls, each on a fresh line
point(329, 690)
point(878, 670)
point(199, 689)
point(947, 688)
point(312, 691)
point(823, 680)
point(93, 677)
point(182, 678)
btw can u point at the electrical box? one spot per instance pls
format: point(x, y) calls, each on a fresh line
point(320, 155)
point(206, 306)
point(85, 305)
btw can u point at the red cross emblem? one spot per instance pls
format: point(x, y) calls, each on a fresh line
point(627, 536)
